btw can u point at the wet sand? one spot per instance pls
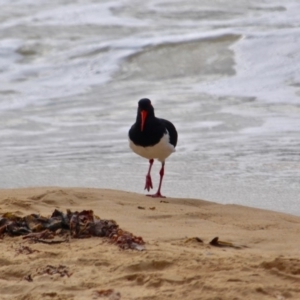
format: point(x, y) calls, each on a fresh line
point(261, 261)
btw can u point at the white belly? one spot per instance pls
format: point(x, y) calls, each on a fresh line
point(159, 151)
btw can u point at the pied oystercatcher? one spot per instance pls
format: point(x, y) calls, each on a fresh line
point(151, 137)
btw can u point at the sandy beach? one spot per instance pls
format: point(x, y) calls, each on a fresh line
point(257, 256)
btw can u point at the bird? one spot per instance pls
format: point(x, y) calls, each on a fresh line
point(152, 138)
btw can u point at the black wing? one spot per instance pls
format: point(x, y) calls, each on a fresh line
point(172, 131)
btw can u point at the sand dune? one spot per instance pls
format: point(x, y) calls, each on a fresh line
point(261, 260)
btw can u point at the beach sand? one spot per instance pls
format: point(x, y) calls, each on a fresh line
point(262, 261)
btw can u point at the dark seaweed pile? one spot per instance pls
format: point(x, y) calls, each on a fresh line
point(78, 225)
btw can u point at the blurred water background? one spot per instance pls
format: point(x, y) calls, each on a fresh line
point(225, 72)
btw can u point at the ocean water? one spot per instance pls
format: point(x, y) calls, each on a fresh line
point(226, 73)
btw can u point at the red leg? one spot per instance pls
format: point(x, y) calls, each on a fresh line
point(161, 173)
point(148, 184)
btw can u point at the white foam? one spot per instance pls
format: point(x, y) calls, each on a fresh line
point(267, 59)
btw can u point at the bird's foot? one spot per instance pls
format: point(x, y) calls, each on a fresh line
point(156, 195)
point(148, 184)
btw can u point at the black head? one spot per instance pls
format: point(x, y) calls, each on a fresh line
point(145, 104)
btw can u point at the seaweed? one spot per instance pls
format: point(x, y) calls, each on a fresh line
point(28, 278)
point(110, 293)
point(217, 243)
point(25, 250)
point(77, 225)
point(51, 270)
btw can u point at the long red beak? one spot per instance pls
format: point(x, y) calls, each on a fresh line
point(144, 114)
